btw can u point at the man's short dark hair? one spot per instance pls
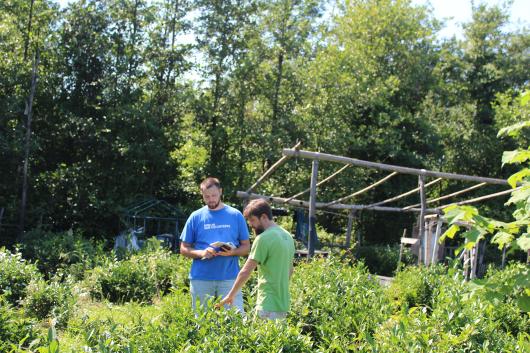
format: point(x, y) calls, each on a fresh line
point(256, 208)
point(209, 182)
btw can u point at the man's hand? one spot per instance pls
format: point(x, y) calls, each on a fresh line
point(208, 253)
point(225, 251)
point(228, 300)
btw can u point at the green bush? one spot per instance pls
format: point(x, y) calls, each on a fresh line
point(15, 275)
point(51, 299)
point(455, 321)
point(383, 259)
point(336, 307)
point(501, 289)
point(416, 286)
point(65, 252)
point(177, 329)
point(14, 327)
point(339, 306)
point(138, 278)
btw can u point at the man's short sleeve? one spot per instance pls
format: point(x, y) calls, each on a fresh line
point(258, 252)
point(242, 227)
point(188, 233)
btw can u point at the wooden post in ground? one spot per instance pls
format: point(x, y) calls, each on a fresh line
point(401, 246)
point(437, 234)
point(466, 264)
point(312, 207)
point(429, 235)
point(474, 260)
point(351, 214)
point(421, 219)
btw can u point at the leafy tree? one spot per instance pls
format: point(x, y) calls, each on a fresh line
point(514, 234)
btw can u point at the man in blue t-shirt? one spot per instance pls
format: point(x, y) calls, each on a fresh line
point(214, 270)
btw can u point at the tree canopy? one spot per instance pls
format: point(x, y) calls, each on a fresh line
point(127, 105)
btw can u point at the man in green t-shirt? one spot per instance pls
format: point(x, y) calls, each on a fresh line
point(272, 252)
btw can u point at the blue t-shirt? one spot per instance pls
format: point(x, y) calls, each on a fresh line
point(204, 227)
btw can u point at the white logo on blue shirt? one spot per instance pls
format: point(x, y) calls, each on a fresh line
point(215, 226)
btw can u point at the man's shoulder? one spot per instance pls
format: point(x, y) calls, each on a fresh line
point(280, 230)
point(232, 210)
point(274, 232)
point(198, 212)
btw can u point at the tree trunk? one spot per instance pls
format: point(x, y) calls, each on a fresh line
point(28, 31)
point(29, 113)
point(277, 87)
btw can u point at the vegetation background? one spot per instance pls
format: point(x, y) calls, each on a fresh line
point(127, 106)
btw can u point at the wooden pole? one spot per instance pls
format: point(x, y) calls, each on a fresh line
point(466, 264)
point(272, 169)
point(474, 258)
point(429, 235)
point(349, 229)
point(394, 168)
point(305, 204)
point(421, 220)
point(359, 192)
point(319, 183)
point(437, 234)
point(410, 192)
point(503, 263)
point(482, 198)
point(312, 207)
point(401, 245)
point(450, 195)
point(358, 237)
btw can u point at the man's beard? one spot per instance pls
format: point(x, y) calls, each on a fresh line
point(259, 230)
point(214, 206)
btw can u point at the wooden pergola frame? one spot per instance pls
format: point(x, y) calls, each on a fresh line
point(313, 205)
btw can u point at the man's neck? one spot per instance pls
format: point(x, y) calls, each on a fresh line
point(219, 207)
point(268, 225)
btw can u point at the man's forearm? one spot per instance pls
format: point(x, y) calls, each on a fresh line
point(242, 250)
point(188, 251)
point(192, 253)
point(242, 277)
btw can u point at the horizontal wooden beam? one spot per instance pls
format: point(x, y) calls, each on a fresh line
point(305, 204)
point(411, 241)
point(389, 167)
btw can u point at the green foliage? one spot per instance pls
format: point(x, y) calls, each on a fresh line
point(514, 234)
point(138, 278)
point(510, 285)
point(15, 329)
point(66, 252)
point(322, 289)
point(53, 299)
point(383, 259)
point(336, 307)
point(417, 287)
point(15, 275)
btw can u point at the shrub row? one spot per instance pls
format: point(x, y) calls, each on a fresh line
point(142, 276)
point(62, 253)
point(335, 308)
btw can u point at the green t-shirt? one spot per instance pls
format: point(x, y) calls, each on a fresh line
point(273, 250)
